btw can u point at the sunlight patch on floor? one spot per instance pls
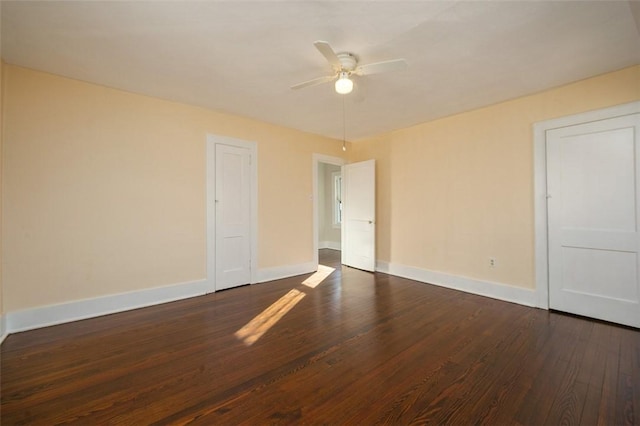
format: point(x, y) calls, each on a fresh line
point(319, 276)
point(255, 328)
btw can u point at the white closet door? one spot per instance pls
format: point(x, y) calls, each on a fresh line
point(233, 216)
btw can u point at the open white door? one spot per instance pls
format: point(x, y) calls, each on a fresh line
point(233, 216)
point(359, 215)
point(593, 217)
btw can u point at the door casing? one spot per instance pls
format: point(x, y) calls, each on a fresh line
point(593, 243)
point(540, 129)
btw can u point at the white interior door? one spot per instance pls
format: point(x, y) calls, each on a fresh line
point(233, 216)
point(359, 215)
point(593, 214)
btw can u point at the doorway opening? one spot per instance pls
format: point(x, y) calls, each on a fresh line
point(327, 205)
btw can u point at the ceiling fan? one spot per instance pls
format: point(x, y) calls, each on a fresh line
point(345, 65)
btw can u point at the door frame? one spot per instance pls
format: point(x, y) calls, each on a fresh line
point(212, 141)
point(541, 251)
point(316, 160)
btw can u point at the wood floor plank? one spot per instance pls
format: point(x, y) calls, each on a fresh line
point(609, 396)
point(567, 405)
point(633, 340)
point(625, 409)
point(501, 398)
point(592, 372)
point(358, 348)
point(550, 367)
point(455, 399)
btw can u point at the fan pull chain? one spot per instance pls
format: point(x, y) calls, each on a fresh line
point(344, 127)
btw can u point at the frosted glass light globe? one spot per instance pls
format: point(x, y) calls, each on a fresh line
point(344, 85)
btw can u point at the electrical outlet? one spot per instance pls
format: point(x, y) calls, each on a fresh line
point(492, 262)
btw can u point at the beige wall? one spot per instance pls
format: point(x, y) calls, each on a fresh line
point(456, 191)
point(104, 190)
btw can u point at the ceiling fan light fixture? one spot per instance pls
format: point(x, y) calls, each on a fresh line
point(344, 84)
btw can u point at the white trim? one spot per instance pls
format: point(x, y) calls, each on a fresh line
point(212, 140)
point(280, 272)
point(508, 293)
point(315, 160)
point(3, 328)
point(333, 245)
point(541, 266)
point(44, 316)
point(540, 185)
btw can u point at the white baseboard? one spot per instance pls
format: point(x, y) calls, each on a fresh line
point(521, 296)
point(44, 316)
point(279, 272)
point(3, 328)
point(28, 319)
point(333, 245)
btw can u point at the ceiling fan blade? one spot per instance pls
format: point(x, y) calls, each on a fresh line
point(313, 82)
point(380, 67)
point(327, 51)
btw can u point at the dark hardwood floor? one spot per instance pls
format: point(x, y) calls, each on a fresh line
point(359, 348)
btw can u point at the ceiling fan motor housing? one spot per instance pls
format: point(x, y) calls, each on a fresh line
point(348, 61)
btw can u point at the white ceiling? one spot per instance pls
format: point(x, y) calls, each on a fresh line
point(241, 57)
